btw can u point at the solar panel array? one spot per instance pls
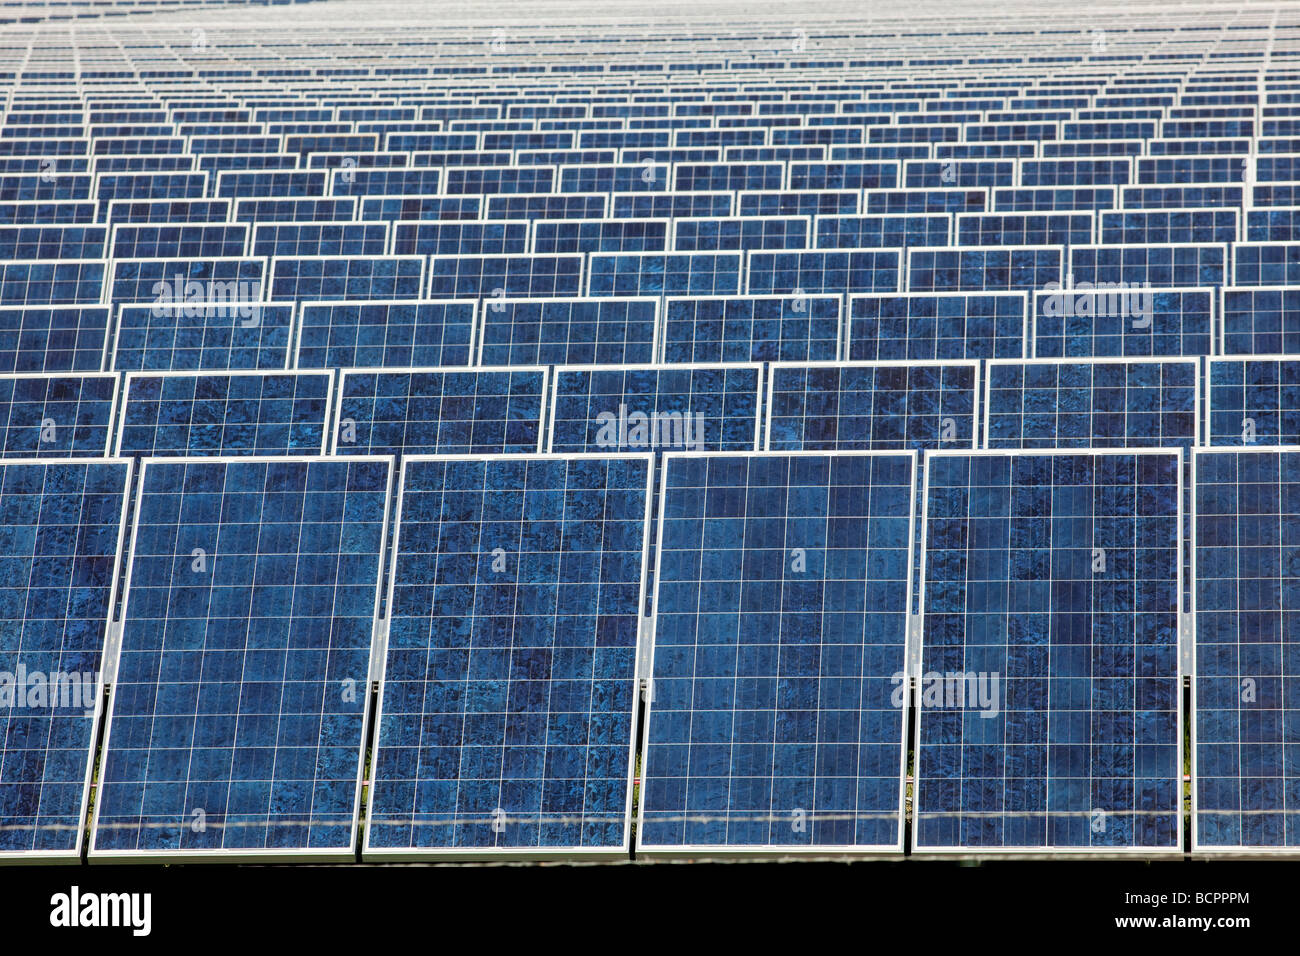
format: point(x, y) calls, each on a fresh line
point(699, 435)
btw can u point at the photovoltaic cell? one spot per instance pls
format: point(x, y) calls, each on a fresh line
point(1244, 542)
point(202, 337)
point(1080, 323)
point(475, 411)
point(823, 272)
point(398, 333)
point(569, 332)
point(62, 528)
point(656, 408)
point(751, 329)
point(509, 693)
point(983, 269)
point(1254, 400)
point(1261, 320)
point(1049, 682)
point(927, 326)
point(871, 406)
point(1104, 403)
point(779, 641)
point(650, 273)
point(55, 415)
point(246, 413)
point(241, 687)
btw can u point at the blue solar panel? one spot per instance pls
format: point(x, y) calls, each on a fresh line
point(752, 329)
point(477, 411)
point(1149, 226)
point(569, 332)
point(1203, 264)
point(1259, 263)
point(1261, 320)
point(740, 232)
point(779, 644)
point(179, 240)
point(983, 269)
point(1244, 543)
point(917, 201)
point(240, 704)
point(55, 415)
point(656, 408)
point(1053, 198)
point(876, 406)
point(171, 281)
point(1021, 229)
point(44, 339)
point(937, 325)
point(456, 237)
point(649, 273)
point(69, 282)
point(1254, 401)
point(344, 277)
point(822, 202)
point(245, 413)
point(1105, 403)
point(1081, 323)
point(881, 232)
point(52, 242)
point(320, 239)
point(531, 275)
point(509, 690)
point(1049, 679)
point(393, 333)
point(202, 337)
point(823, 271)
point(59, 547)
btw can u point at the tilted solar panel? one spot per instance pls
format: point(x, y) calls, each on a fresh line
point(1100, 403)
point(53, 339)
point(872, 406)
point(1049, 680)
point(202, 336)
point(59, 550)
point(240, 702)
point(751, 329)
point(774, 724)
point(237, 413)
point(477, 411)
point(922, 326)
point(1082, 323)
point(640, 408)
point(395, 332)
point(569, 331)
point(52, 415)
point(509, 694)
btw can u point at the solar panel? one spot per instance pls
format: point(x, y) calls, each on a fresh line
point(740, 232)
point(63, 525)
point(320, 239)
point(649, 273)
point(1243, 544)
point(823, 271)
point(1261, 320)
point(871, 406)
point(478, 411)
point(1171, 264)
point(509, 692)
point(57, 339)
point(402, 333)
point(1021, 229)
point(983, 269)
point(237, 413)
point(240, 702)
point(920, 326)
point(1150, 226)
point(1049, 680)
point(599, 235)
point(308, 278)
point(1265, 263)
point(629, 408)
point(1253, 400)
point(44, 415)
point(751, 329)
point(52, 242)
point(569, 331)
point(881, 232)
point(65, 282)
point(202, 336)
point(780, 621)
point(172, 281)
point(484, 276)
point(1101, 403)
point(458, 237)
point(1082, 323)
